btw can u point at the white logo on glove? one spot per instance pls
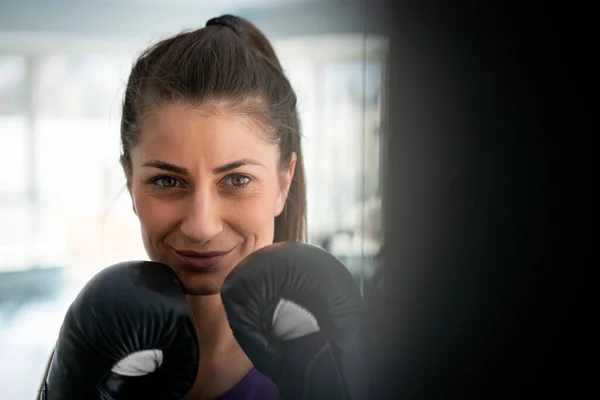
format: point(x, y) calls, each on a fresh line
point(139, 363)
point(291, 321)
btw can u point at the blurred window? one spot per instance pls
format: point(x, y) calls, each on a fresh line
point(15, 210)
point(80, 182)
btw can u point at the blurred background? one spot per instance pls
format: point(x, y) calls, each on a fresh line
point(64, 210)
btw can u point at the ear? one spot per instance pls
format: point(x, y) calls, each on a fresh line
point(285, 182)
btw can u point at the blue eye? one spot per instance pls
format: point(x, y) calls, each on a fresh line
point(237, 180)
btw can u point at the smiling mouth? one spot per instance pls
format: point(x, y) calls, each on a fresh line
point(201, 260)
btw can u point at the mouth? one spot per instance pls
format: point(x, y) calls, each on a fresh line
point(208, 259)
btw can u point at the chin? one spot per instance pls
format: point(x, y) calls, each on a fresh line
point(202, 284)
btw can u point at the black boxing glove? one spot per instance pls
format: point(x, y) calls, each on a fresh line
point(298, 314)
point(129, 334)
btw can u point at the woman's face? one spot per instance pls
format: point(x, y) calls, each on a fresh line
point(206, 189)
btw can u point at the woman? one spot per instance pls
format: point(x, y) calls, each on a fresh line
point(212, 156)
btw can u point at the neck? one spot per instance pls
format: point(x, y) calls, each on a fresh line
point(212, 326)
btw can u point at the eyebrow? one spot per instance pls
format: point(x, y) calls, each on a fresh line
point(219, 170)
point(166, 167)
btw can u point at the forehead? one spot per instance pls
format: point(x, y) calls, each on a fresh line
point(187, 135)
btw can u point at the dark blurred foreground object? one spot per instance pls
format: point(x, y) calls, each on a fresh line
point(477, 212)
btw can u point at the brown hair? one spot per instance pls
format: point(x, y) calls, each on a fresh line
point(229, 62)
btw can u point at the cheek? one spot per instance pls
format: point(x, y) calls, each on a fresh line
point(252, 213)
point(254, 216)
point(156, 217)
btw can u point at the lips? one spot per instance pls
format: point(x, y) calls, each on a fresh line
point(208, 254)
point(201, 260)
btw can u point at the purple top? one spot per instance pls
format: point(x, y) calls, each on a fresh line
point(254, 386)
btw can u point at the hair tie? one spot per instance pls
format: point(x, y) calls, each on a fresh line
point(230, 21)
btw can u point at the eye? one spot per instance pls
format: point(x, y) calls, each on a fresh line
point(237, 180)
point(165, 181)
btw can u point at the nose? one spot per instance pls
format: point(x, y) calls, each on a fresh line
point(202, 221)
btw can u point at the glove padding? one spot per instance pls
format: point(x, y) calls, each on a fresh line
point(129, 334)
point(297, 313)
